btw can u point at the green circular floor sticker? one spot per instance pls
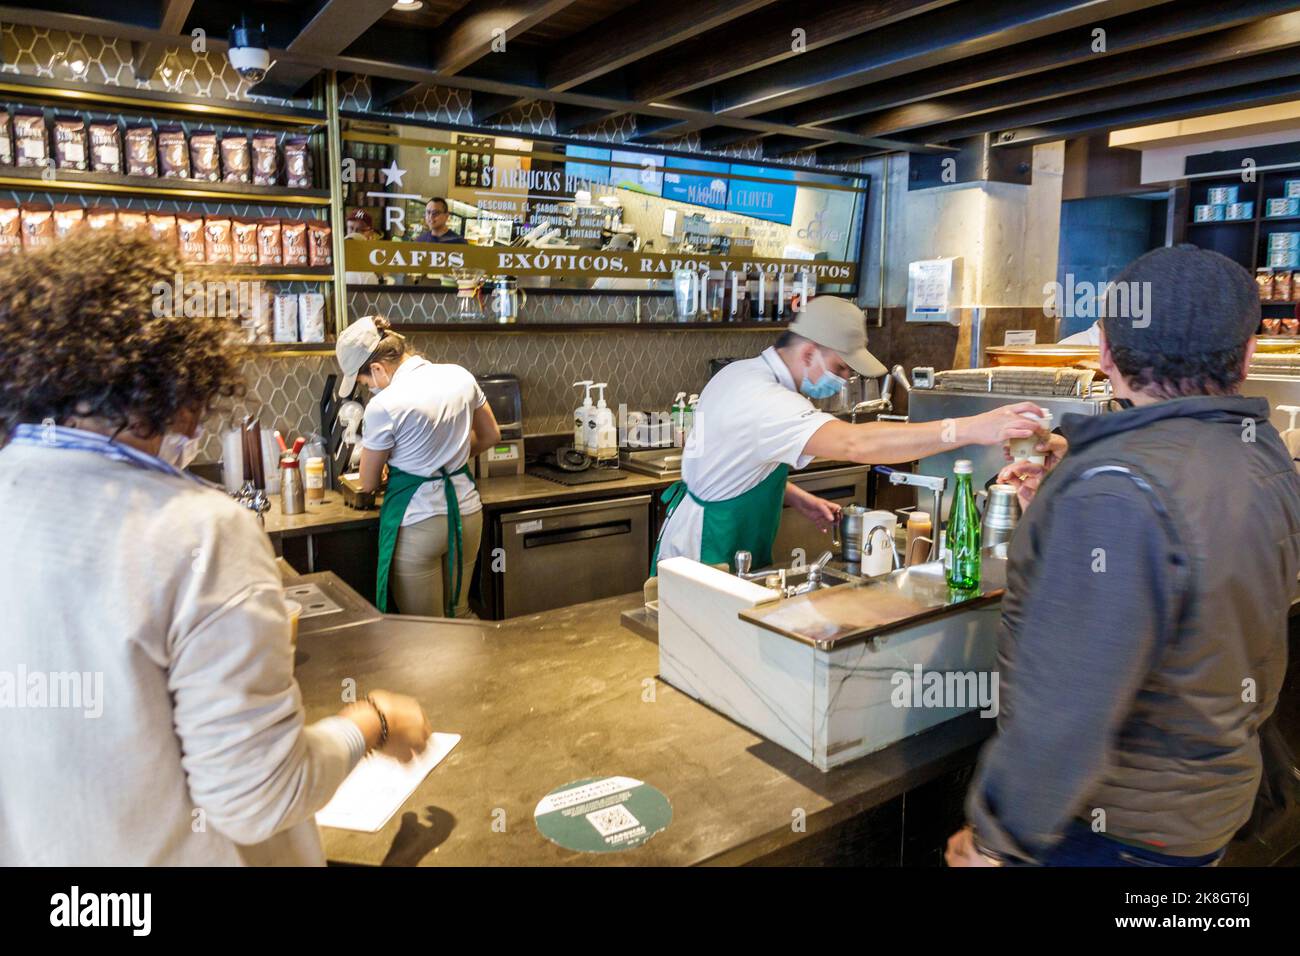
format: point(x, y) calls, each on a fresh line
point(602, 814)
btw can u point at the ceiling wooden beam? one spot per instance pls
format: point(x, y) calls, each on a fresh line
point(1265, 68)
point(396, 54)
point(471, 32)
point(762, 39)
point(639, 31)
point(330, 29)
point(778, 145)
point(400, 54)
point(1262, 36)
point(171, 19)
point(1228, 98)
point(484, 107)
point(571, 119)
point(1124, 34)
point(909, 46)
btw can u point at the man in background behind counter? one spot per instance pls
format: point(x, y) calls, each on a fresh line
point(436, 213)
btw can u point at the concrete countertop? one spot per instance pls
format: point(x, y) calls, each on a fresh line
point(547, 699)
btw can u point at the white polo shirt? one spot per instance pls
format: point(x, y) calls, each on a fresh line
point(424, 418)
point(750, 419)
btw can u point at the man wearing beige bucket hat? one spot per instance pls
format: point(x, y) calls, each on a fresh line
point(755, 422)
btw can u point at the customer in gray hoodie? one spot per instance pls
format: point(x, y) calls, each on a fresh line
point(1143, 638)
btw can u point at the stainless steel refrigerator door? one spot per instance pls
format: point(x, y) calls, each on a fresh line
point(843, 486)
point(555, 557)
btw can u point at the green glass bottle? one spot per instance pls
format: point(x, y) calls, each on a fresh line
point(963, 537)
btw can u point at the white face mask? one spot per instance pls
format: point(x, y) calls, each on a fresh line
point(179, 450)
point(374, 386)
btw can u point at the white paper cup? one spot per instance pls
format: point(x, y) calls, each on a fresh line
point(1022, 449)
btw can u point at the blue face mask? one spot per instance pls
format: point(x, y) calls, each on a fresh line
point(827, 385)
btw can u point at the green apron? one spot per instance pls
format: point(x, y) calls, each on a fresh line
point(402, 486)
point(747, 522)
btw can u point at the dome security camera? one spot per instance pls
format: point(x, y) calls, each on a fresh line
point(248, 53)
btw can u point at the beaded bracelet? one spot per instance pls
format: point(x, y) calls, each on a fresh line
point(383, 723)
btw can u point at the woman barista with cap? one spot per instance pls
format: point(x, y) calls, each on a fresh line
point(424, 422)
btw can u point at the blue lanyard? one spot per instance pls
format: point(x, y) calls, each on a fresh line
point(75, 439)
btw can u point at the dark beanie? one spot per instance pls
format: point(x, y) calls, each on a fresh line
point(1181, 300)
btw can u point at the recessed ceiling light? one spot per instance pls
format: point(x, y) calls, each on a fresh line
point(406, 6)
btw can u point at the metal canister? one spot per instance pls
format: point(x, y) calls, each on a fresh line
point(847, 537)
point(1001, 514)
point(292, 494)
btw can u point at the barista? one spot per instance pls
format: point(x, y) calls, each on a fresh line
point(436, 214)
point(754, 422)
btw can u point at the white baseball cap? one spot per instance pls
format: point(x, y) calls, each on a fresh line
point(840, 326)
point(355, 344)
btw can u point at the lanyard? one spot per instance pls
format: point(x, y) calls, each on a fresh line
point(75, 439)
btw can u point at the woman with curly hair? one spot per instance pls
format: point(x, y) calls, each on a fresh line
point(148, 710)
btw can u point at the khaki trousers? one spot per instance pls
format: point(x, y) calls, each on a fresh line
point(420, 567)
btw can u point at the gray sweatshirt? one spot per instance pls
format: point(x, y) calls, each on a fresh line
point(148, 710)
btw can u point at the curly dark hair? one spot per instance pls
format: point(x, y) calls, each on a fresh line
point(1179, 376)
point(79, 337)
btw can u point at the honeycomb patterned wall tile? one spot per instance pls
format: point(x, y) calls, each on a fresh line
point(645, 369)
point(86, 58)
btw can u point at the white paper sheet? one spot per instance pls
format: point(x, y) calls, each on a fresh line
point(379, 785)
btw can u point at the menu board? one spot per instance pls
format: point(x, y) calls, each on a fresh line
point(688, 181)
point(762, 200)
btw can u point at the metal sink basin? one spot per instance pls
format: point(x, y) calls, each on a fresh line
point(832, 577)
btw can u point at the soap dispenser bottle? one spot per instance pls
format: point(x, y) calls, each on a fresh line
point(690, 413)
point(679, 420)
point(606, 432)
point(580, 416)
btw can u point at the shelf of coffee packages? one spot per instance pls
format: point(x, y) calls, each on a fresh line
point(526, 326)
point(120, 184)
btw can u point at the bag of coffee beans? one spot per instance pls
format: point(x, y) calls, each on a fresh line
point(266, 160)
point(311, 317)
point(141, 151)
point(37, 227)
point(162, 227)
point(297, 163)
point(173, 153)
point(101, 218)
point(294, 238)
point(70, 147)
point(269, 252)
point(235, 163)
point(286, 317)
point(6, 140)
point(319, 249)
point(131, 219)
point(189, 232)
point(216, 238)
point(205, 161)
point(243, 234)
point(11, 239)
point(67, 219)
point(30, 140)
point(105, 147)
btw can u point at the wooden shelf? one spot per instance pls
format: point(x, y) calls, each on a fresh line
point(271, 273)
point(81, 95)
point(118, 184)
point(529, 327)
point(290, 349)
